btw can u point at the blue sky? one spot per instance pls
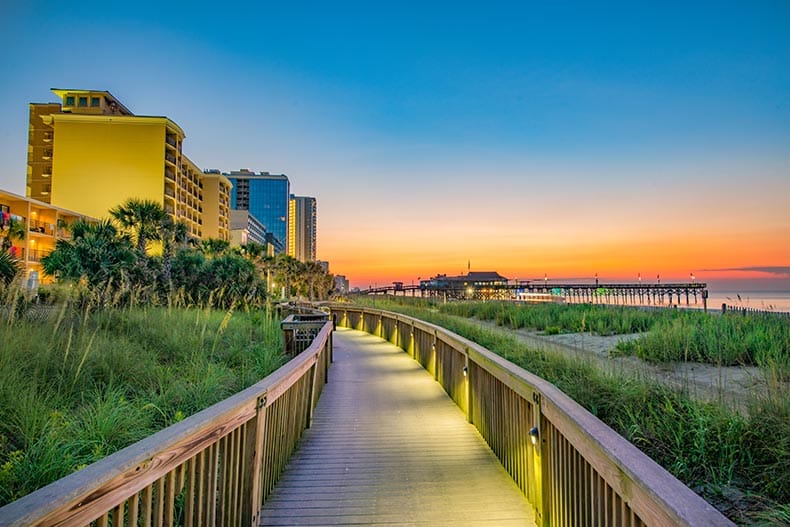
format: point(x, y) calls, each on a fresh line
point(622, 103)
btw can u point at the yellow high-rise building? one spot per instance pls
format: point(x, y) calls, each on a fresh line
point(90, 153)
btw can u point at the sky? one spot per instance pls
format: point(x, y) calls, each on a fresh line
point(537, 139)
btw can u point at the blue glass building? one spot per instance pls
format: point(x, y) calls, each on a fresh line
point(265, 196)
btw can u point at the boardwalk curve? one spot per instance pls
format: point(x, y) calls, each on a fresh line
point(388, 447)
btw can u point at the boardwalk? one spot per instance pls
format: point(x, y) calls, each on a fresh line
point(388, 447)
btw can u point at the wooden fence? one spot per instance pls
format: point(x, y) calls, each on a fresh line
point(741, 310)
point(574, 469)
point(214, 468)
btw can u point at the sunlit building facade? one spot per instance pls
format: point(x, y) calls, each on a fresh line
point(265, 196)
point(30, 228)
point(90, 153)
point(302, 216)
point(215, 210)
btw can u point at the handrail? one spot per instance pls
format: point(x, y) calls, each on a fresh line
point(572, 467)
point(221, 462)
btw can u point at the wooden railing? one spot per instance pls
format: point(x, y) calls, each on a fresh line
point(573, 468)
point(299, 330)
point(214, 468)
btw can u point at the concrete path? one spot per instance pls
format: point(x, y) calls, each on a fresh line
point(388, 447)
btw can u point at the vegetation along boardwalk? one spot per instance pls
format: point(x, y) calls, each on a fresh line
point(388, 446)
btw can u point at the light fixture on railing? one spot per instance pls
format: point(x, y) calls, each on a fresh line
point(466, 371)
point(534, 435)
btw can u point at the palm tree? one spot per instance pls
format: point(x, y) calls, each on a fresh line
point(288, 271)
point(174, 235)
point(143, 217)
point(213, 247)
point(95, 252)
point(9, 267)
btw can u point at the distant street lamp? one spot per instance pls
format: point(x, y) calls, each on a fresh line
point(640, 278)
point(693, 278)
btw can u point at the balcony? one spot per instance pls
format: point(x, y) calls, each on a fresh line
point(47, 155)
point(170, 158)
point(170, 192)
point(171, 141)
point(47, 137)
point(35, 255)
point(170, 175)
point(41, 227)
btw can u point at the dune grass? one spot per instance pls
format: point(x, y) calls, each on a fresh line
point(667, 334)
point(78, 382)
point(560, 318)
point(739, 463)
point(727, 339)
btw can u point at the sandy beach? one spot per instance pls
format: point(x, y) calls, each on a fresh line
point(729, 385)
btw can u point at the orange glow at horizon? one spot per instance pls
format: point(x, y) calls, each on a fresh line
point(380, 260)
point(687, 215)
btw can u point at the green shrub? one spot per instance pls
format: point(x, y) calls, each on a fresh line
point(78, 383)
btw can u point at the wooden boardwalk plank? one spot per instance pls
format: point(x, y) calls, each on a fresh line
point(388, 447)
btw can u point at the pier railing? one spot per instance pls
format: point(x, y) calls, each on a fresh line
point(214, 468)
point(573, 468)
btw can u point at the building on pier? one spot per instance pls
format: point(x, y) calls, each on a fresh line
point(481, 285)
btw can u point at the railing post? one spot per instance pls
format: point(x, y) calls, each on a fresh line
point(541, 466)
point(468, 381)
point(253, 494)
point(311, 394)
point(433, 359)
point(288, 341)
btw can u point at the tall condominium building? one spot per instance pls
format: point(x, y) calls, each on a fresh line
point(302, 228)
point(90, 153)
point(215, 210)
point(265, 196)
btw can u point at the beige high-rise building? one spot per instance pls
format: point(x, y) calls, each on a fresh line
point(302, 220)
point(90, 153)
point(215, 210)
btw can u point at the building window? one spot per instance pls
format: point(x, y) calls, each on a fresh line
point(94, 102)
point(70, 100)
point(83, 101)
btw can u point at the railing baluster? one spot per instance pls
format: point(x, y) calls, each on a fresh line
point(133, 510)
